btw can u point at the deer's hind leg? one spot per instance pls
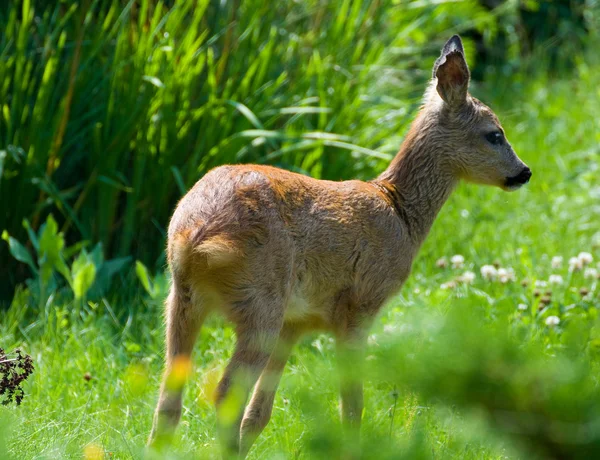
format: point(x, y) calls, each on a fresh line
point(259, 409)
point(257, 333)
point(184, 317)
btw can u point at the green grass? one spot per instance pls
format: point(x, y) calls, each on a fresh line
point(553, 127)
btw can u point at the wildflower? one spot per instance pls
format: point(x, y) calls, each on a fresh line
point(506, 275)
point(552, 321)
point(545, 300)
point(441, 263)
point(585, 258)
point(584, 291)
point(524, 282)
point(575, 264)
point(555, 279)
point(522, 307)
point(489, 272)
point(557, 262)
point(466, 278)
point(449, 285)
point(458, 261)
point(540, 284)
point(590, 273)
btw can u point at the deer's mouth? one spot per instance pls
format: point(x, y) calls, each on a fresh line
point(514, 182)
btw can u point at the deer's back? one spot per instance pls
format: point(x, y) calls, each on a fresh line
point(270, 231)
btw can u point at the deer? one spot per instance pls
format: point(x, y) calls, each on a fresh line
point(281, 254)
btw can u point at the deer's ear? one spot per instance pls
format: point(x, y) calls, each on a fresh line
point(452, 73)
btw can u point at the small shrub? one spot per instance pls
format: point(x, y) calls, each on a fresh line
point(13, 372)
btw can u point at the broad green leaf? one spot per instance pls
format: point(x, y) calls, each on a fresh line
point(74, 249)
point(97, 256)
point(62, 268)
point(18, 251)
point(83, 278)
point(50, 252)
point(83, 273)
point(144, 277)
point(32, 236)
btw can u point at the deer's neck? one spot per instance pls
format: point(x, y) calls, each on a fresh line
point(417, 180)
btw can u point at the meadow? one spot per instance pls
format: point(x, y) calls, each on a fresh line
point(492, 348)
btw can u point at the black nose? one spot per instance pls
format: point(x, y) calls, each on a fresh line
point(520, 179)
point(524, 175)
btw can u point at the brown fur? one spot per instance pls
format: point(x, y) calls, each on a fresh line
point(280, 254)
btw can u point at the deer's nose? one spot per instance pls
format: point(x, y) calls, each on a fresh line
point(520, 179)
point(524, 175)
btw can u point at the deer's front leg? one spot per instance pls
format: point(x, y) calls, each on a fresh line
point(351, 351)
point(350, 362)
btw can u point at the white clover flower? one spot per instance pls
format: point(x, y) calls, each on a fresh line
point(557, 262)
point(522, 307)
point(552, 321)
point(540, 284)
point(467, 277)
point(441, 262)
point(590, 273)
point(489, 272)
point(458, 261)
point(575, 264)
point(448, 285)
point(555, 279)
point(505, 275)
point(585, 258)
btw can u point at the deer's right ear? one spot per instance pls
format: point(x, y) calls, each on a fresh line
point(452, 73)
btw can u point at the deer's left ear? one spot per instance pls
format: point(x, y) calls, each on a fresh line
point(452, 73)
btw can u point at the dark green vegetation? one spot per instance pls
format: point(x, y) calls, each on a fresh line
point(111, 110)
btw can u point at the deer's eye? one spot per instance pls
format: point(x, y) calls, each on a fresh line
point(495, 137)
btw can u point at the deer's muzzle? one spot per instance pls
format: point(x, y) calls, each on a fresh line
point(520, 179)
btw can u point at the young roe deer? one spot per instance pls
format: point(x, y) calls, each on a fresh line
point(281, 254)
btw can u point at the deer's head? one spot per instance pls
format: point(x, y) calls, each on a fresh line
point(476, 147)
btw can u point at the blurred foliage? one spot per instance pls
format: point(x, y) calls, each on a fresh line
point(536, 385)
point(535, 35)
